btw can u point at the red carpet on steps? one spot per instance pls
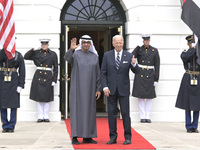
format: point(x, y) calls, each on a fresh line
point(138, 142)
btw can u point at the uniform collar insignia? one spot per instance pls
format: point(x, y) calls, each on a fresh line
point(43, 51)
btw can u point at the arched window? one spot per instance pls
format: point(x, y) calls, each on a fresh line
point(103, 11)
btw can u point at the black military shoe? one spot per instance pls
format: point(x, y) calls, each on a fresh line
point(75, 141)
point(148, 120)
point(143, 120)
point(189, 130)
point(10, 130)
point(5, 130)
point(195, 131)
point(40, 120)
point(46, 120)
point(89, 140)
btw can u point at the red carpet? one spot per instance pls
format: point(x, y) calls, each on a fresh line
point(138, 142)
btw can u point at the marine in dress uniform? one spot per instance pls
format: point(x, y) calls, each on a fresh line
point(145, 81)
point(12, 80)
point(44, 78)
point(189, 92)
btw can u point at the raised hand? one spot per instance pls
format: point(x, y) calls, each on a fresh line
point(73, 44)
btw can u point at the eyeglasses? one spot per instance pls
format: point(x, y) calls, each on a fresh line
point(84, 42)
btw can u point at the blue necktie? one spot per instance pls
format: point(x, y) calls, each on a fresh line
point(117, 61)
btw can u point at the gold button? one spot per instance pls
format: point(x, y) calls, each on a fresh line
point(40, 71)
point(45, 73)
point(147, 76)
point(141, 75)
point(40, 64)
point(46, 65)
point(148, 61)
point(38, 79)
point(44, 80)
point(143, 61)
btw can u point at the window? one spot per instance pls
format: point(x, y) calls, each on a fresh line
point(92, 10)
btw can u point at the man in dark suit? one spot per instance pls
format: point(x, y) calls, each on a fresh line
point(116, 85)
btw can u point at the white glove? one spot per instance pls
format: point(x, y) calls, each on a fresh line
point(155, 83)
point(193, 45)
point(53, 83)
point(19, 89)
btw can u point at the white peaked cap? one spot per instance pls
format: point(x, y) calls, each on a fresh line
point(44, 40)
point(146, 35)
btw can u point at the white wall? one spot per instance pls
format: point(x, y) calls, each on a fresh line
point(35, 19)
point(162, 19)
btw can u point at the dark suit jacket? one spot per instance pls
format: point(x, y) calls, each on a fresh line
point(117, 79)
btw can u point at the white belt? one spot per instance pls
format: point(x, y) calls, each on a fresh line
point(146, 67)
point(44, 68)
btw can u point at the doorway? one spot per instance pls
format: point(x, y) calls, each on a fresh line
point(99, 19)
point(102, 39)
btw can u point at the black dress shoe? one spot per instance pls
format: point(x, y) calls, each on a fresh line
point(75, 141)
point(195, 131)
point(46, 120)
point(89, 140)
point(10, 130)
point(190, 130)
point(40, 120)
point(148, 120)
point(127, 142)
point(111, 142)
point(143, 120)
point(5, 130)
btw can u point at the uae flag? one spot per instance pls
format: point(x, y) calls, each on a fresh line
point(191, 16)
point(7, 28)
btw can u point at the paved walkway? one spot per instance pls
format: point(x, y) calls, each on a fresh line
point(168, 136)
point(54, 136)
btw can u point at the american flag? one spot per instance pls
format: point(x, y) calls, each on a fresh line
point(7, 28)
